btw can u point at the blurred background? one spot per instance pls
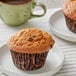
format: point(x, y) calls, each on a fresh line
point(52, 3)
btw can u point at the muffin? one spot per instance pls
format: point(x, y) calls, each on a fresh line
point(29, 48)
point(69, 10)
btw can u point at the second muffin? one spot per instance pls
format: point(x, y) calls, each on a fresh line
point(29, 48)
point(69, 10)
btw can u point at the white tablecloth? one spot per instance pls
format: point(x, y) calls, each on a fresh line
point(69, 48)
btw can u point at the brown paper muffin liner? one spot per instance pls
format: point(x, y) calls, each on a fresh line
point(71, 24)
point(26, 61)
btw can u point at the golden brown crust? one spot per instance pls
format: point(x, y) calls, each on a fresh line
point(69, 9)
point(30, 40)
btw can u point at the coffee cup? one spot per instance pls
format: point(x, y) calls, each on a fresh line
point(17, 12)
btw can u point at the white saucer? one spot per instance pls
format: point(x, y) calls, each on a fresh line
point(58, 26)
point(53, 63)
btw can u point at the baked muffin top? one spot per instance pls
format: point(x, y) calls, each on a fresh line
point(30, 40)
point(69, 9)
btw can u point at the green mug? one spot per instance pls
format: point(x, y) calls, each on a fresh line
point(17, 14)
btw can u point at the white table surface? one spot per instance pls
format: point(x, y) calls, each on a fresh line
point(52, 3)
point(69, 48)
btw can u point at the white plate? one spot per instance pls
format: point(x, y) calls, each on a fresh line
point(53, 63)
point(58, 26)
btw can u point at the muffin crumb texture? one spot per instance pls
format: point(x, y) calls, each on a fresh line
point(69, 9)
point(36, 40)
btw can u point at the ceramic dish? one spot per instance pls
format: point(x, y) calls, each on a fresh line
point(58, 26)
point(53, 63)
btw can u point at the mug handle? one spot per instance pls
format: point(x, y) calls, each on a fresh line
point(42, 6)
